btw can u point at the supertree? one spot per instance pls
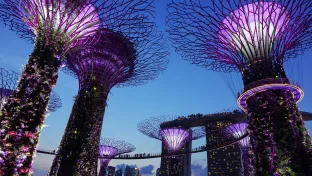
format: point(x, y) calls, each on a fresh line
point(55, 26)
point(173, 140)
point(237, 130)
point(8, 82)
point(129, 51)
point(112, 147)
point(254, 37)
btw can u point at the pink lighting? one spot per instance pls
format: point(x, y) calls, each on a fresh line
point(74, 22)
point(107, 151)
point(175, 138)
point(237, 130)
point(252, 29)
point(296, 92)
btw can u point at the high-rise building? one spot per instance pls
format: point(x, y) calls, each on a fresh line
point(132, 171)
point(223, 161)
point(110, 171)
point(171, 166)
point(118, 172)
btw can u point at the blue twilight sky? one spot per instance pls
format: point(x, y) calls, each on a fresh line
point(182, 89)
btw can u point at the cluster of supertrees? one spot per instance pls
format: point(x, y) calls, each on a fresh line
point(114, 43)
point(112, 147)
point(172, 138)
point(104, 43)
point(255, 38)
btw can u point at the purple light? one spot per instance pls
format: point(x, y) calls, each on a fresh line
point(53, 16)
point(253, 28)
point(4, 94)
point(108, 151)
point(237, 130)
point(175, 138)
point(296, 92)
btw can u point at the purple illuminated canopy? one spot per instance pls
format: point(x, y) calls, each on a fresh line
point(110, 60)
point(107, 151)
point(113, 147)
point(65, 22)
point(296, 92)
point(253, 28)
point(232, 35)
point(151, 127)
point(237, 130)
point(56, 16)
point(175, 138)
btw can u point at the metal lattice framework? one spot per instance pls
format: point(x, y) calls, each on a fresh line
point(117, 59)
point(121, 146)
point(151, 127)
point(129, 51)
point(9, 81)
point(217, 34)
point(175, 138)
point(112, 147)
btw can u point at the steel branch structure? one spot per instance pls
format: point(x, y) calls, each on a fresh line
point(173, 139)
point(254, 37)
point(112, 147)
point(237, 130)
point(129, 51)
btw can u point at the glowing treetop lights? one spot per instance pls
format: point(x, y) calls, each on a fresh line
point(67, 22)
point(248, 32)
point(175, 138)
point(237, 130)
point(54, 13)
point(252, 29)
point(112, 147)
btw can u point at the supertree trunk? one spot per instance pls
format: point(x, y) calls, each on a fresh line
point(56, 160)
point(78, 151)
point(246, 169)
point(103, 167)
point(102, 171)
point(24, 113)
point(281, 140)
